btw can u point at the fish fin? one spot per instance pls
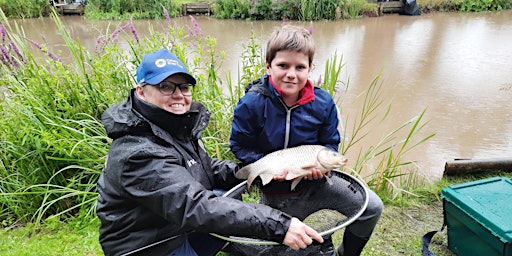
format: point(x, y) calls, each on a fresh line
point(250, 179)
point(266, 178)
point(295, 182)
point(243, 173)
point(328, 179)
point(296, 172)
point(292, 175)
point(309, 166)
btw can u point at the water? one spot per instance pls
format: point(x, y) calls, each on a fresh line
point(458, 66)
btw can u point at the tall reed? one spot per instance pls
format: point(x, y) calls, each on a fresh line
point(53, 145)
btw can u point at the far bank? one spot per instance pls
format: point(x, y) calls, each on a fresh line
point(301, 10)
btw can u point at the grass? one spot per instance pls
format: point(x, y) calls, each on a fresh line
point(399, 231)
point(54, 238)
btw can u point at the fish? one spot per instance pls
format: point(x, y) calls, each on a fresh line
point(298, 160)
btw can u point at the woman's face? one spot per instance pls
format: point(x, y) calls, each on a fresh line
point(175, 103)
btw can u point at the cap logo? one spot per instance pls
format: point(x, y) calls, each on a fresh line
point(162, 62)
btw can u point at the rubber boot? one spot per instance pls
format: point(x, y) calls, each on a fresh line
point(326, 248)
point(352, 245)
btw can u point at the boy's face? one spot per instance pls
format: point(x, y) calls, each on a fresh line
point(290, 71)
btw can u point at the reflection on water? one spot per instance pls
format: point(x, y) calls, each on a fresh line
point(456, 65)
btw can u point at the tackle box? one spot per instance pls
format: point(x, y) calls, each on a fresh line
point(478, 216)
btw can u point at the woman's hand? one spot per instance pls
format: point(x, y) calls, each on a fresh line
point(300, 235)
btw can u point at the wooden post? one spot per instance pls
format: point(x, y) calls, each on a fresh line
point(196, 8)
point(471, 166)
point(389, 6)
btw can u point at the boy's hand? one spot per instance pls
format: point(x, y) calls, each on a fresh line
point(282, 176)
point(315, 174)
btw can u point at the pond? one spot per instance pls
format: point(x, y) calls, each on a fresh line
point(456, 65)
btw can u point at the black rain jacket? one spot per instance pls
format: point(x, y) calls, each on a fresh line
point(158, 179)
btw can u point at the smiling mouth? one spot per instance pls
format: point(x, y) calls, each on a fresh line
point(177, 105)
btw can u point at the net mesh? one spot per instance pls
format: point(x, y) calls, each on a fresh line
point(317, 207)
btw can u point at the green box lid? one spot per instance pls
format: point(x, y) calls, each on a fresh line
point(488, 201)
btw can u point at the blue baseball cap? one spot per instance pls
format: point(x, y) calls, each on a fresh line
point(157, 66)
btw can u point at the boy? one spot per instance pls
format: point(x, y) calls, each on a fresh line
point(283, 109)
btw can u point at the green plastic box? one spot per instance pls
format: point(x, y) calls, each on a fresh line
point(478, 216)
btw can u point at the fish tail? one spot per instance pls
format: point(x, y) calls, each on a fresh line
point(250, 179)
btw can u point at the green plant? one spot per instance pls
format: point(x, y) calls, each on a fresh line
point(25, 8)
point(231, 9)
point(391, 175)
point(137, 9)
point(482, 5)
point(318, 10)
point(52, 144)
point(351, 8)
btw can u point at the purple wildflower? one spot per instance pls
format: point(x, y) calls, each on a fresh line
point(197, 30)
point(17, 51)
point(34, 43)
point(100, 44)
point(134, 32)
point(6, 59)
point(51, 55)
point(3, 60)
point(166, 14)
point(116, 32)
point(100, 40)
point(310, 30)
point(3, 32)
point(319, 81)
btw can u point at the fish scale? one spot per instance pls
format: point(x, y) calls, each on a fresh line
point(298, 160)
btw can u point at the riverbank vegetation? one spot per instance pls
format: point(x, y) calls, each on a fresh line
point(307, 10)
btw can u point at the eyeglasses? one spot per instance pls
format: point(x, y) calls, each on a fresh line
point(168, 88)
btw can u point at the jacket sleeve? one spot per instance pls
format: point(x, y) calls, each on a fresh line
point(245, 127)
point(329, 134)
point(166, 188)
point(224, 173)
